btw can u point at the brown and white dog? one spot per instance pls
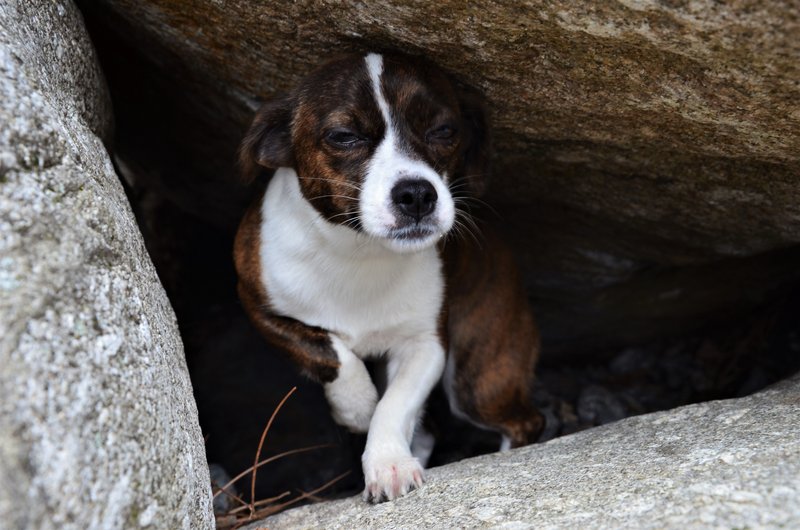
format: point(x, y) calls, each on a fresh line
point(344, 258)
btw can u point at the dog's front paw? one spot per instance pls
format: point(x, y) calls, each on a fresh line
point(390, 477)
point(352, 396)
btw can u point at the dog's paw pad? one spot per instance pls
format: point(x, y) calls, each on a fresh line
point(390, 478)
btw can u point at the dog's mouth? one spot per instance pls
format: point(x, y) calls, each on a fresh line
point(412, 233)
point(411, 238)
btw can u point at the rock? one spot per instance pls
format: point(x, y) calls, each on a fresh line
point(722, 464)
point(598, 406)
point(98, 425)
point(219, 479)
point(646, 158)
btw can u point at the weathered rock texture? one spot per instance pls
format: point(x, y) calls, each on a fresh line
point(647, 153)
point(723, 464)
point(98, 426)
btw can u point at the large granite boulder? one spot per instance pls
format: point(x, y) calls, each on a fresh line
point(98, 425)
point(647, 154)
point(722, 464)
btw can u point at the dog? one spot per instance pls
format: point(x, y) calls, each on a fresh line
point(345, 257)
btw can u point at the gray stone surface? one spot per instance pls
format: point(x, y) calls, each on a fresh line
point(723, 464)
point(98, 426)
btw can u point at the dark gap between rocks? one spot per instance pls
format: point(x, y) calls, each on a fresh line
point(238, 379)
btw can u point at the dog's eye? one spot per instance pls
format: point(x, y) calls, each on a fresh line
point(441, 134)
point(343, 138)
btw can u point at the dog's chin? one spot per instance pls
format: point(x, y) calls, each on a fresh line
point(411, 238)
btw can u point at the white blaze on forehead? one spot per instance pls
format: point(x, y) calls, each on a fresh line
point(390, 164)
point(375, 68)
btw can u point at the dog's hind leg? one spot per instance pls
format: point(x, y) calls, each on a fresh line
point(494, 343)
point(498, 397)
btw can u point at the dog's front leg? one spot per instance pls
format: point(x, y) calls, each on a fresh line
point(322, 356)
point(390, 470)
point(352, 395)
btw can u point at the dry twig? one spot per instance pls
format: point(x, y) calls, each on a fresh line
point(246, 512)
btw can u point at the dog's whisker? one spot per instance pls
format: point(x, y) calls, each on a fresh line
point(334, 196)
point(352, 223)
point(472, 228)
point(337, 182)
point(465, 226)
point(471, 175)
point(469, 200)
point(464, 233)
point(458, 184)
point(339, 215)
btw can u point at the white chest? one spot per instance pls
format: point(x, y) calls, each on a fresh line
point(330, 276)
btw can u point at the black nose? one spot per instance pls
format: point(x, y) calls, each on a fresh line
point(415, 198)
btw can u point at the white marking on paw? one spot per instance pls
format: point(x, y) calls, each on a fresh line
point(388, 477)
point(352, 395)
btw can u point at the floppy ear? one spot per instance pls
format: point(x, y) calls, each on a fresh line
point(268, 143)
point(475, 165)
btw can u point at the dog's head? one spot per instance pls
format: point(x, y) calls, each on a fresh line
point(378, 142)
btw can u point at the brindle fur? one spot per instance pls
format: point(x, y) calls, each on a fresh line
point(494, 341)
